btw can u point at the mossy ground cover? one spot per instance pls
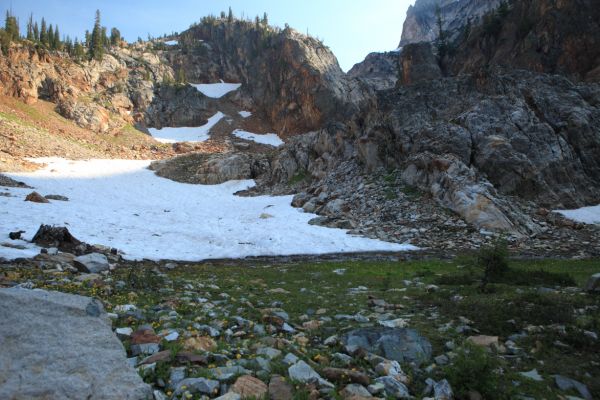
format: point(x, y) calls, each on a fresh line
point(541, 298)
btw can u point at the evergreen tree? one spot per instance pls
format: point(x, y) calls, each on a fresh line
point(87, 41)
point(222, 14)
point(105, 39)
point(257, 22)
point(44, 33)
point(4, 42)
point(115, 36)
point(50, 36)
point(78, 50)
point(36, 32)
point(97, 45)
point(265, 20)
point(68, 45)
point(30, 36)
point(230, 16)
point(11, 26)
point(56, 43)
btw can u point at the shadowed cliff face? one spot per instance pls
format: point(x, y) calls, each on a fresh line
point(559, 37)
point(294, 80)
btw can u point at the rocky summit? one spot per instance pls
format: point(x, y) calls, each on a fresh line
point(225, 213)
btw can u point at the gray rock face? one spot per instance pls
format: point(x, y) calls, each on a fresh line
point(379, 70)
point(61, 346)
point(211, 169)
point(402, 345)
point(302, 372)
point(394, 388)
point(92, 263)
point(421, 20)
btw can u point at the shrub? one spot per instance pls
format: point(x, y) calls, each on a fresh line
point(475, 370)
point(494, 261)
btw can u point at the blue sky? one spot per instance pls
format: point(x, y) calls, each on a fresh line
point(351, 28)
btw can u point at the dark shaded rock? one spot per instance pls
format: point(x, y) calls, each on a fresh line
point(15, 235)
point(402, 345)
point(556, 37)
point(35, 197)
point(9, 182)
point(417, 63)
point(59, 237)
point(57, 197)
point(593, 283)
point(346, 375)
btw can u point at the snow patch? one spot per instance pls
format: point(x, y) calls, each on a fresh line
point(122, 204)
point(186, 134)
point(216, 90)
point(270, 139)
point(172, 42)
point(245, 114)
point(586, 215)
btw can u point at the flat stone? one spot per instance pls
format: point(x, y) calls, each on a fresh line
point(483, 340)
point(197, 385)
point(269, 352)
point(146, 348)
point(202, 343)
point(61, 346)
point(533, 374)
point(93, 262)
point(302, 372)
point(564, 383)
point(394, 388)
point(355, 390)
point(402, 345)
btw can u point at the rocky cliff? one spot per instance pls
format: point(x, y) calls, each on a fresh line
point(558, 37)
point(292, 79)
point(100, 96)
point(422, 19)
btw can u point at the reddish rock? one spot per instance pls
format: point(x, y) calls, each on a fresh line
point(35, 197)
point(249, 387)
point(345, 376)
point(280, 389)
point(144, 336)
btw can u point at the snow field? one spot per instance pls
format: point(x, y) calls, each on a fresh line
point(122, 204)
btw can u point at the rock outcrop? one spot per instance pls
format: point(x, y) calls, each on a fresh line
point(56, 345)
point(379, 70)
point(293, 79)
